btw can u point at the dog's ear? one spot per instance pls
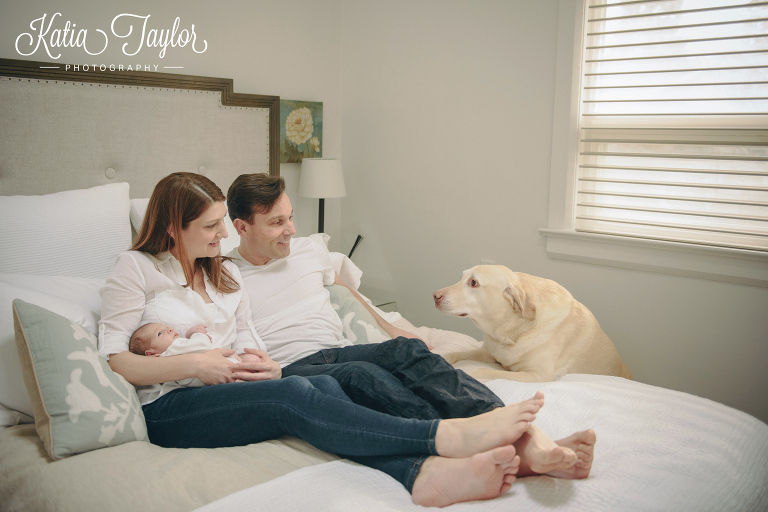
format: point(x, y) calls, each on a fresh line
point(521, 301)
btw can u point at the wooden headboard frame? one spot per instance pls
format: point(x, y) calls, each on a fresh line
point(229, 99)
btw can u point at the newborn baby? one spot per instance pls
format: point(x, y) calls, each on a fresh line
point(160, 340)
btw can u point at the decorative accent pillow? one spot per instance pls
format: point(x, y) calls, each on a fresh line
point(79, 403)
point(359, 325)
point(75, 233)
point(77, 299)
point(342, 265)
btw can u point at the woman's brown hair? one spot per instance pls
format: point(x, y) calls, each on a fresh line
point(177, 200)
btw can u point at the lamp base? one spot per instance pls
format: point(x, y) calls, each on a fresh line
point(320, 216)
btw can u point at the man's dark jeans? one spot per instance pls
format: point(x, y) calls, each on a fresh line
point(400, 377)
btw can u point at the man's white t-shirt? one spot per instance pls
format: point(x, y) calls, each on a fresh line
point(292, 310)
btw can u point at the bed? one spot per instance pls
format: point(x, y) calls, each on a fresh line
point(81, 187)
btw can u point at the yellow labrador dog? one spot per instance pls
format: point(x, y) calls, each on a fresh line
point(533, 327)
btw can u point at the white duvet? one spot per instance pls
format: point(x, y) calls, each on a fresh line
point(657, 450)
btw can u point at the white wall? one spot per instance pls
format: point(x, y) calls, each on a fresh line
point(447, 130)
point(442, 113)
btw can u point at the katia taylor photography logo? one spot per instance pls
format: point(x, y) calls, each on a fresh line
point(135, 32)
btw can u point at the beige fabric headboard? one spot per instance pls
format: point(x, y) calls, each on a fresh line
point(64, 129)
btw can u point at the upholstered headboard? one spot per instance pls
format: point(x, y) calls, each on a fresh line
point(68, 128)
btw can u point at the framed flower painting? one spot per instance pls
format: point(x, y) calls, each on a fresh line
point(301, 130)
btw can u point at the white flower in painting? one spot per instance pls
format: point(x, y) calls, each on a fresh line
point(298, 126)
point(79, 398)
point(315, 143)
point(372, 333)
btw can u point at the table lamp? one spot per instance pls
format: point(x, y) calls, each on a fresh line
point(321, 178)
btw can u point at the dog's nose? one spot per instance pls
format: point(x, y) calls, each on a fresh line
point(438, 297)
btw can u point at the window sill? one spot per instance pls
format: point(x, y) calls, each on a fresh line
point(714, 263)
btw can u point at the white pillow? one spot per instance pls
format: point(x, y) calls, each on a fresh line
point(13, 393)
point(233, 240)
point(351, 275)
point(9, 418)
point(139, 209)
point(342, 265)
point(84, 291)
point(72, 233)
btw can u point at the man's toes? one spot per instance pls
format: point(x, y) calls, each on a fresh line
point(561, 454)
point(563, 457)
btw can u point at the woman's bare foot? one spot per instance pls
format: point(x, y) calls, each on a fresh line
point(583, 443)
point(442, 481)
point(464, 437)
point(539, 454)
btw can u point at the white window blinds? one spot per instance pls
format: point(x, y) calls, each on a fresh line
point(674, 122)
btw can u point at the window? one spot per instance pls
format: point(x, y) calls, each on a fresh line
point(667, 145)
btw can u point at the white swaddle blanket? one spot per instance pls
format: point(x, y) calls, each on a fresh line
point(656, 449)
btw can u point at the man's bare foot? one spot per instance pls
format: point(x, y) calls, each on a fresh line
point(464, 437)
point(583, 443)
point(539, 454)
point(442, 481)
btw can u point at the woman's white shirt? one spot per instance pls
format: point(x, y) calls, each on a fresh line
point(145, 289)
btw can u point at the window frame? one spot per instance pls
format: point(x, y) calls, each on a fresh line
point(563, 242)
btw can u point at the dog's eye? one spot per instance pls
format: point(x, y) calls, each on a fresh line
point(473, 283)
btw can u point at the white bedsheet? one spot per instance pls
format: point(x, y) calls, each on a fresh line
point(656, 450)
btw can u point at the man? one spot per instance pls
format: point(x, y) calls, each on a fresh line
point(285, 279)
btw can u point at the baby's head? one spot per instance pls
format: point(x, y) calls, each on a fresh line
point(152, 339)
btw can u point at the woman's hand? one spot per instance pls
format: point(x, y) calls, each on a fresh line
point(256, 365)
point(213, 367)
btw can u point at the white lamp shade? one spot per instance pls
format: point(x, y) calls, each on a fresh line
point(321, 178)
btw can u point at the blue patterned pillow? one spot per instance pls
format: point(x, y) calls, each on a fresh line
point(79, 403)
point(359, 325)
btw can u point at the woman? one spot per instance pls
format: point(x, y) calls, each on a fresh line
point(174, 275)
